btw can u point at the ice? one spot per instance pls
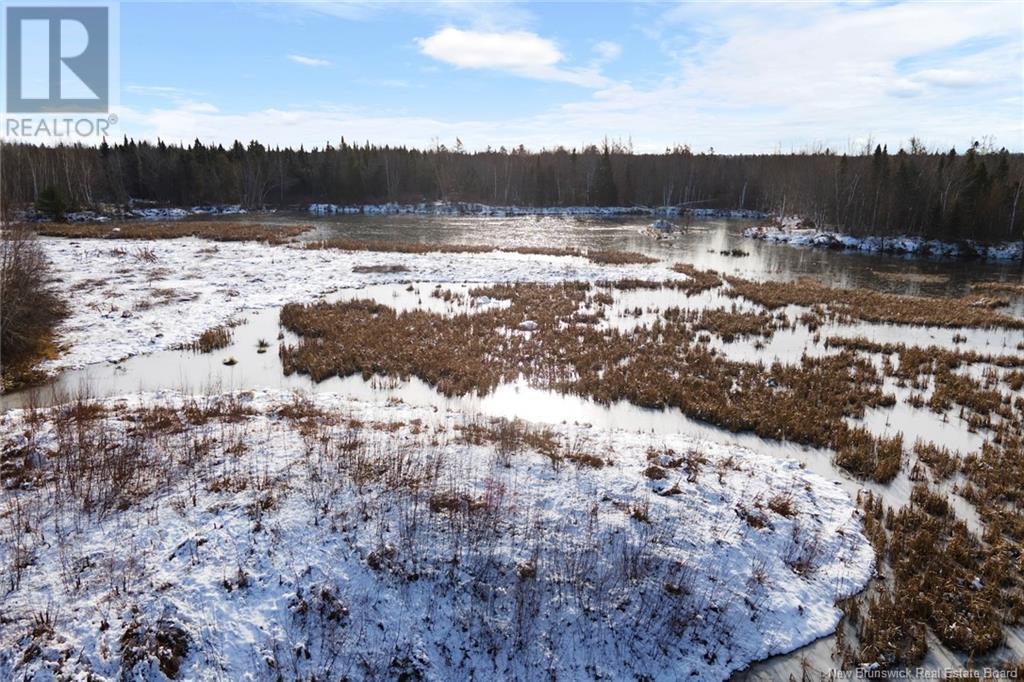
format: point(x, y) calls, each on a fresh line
point(443, 208)
point(790, 232)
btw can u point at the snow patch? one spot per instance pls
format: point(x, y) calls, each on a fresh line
point(448, 208)
point(790, 232)
point(266, 544)
point(123, 305)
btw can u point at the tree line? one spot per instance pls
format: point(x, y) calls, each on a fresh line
point(950, 194)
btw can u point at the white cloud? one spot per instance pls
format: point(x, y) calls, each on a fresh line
point(742, 79)
point(308, 61)
point(788, 76)
point(517, 52)
point(951, 78)
point(607, 51)
point(166, 91)
point(485, 16)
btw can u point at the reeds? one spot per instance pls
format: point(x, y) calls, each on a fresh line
point(699, 280)
point(944, 578)
point(604, 257)
point(1015, 288)
point(657, 366)
point(383, 268)
point(221, 231)
point(210, 340)
point(873, 306)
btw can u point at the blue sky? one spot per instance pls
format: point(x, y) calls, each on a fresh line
point(733, 76)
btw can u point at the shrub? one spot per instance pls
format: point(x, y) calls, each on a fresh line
point(29, 309)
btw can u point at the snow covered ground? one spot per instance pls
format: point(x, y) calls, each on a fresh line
point(130, 297)
point(791, 233)
point(108, 213)
point(256, 536)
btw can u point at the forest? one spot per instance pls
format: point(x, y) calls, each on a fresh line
point(975, 193)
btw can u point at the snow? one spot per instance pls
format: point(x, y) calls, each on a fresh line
point(123, 305)
point(790, 232)
point(290, 551)
point(104, 214)
point(443, 208)
point(137, 210)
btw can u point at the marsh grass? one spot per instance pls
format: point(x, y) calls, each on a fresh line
point(604, 257)
point(873, 306)
point(656, 366)
point(700, 280)
point(944, 579)
point(383, 268)
point(221, 231)
point(1015, 288)
point(210, 340)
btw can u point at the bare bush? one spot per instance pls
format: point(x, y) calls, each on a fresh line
point(29, 309)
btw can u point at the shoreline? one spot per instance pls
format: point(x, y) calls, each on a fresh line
point(110, 213)
point(790, 233)
point(478, 209)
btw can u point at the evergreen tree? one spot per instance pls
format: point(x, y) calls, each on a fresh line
point(605, 191)
point(51, 203)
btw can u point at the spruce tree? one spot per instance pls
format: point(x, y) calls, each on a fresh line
point(51, 204)
point(605, 191)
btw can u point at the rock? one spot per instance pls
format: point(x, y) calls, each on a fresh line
point(527, 326)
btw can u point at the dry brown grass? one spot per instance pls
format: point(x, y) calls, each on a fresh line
point(944, 578)
point(388, 268)
point(873, 306)
point(210, 340)
point(221, 231)
point(911, 277)
point(727, 324)
point(924, 358)
point(1016, 288)
point(605, 257)
point(657, 366)
point(868, 456)
point(700, 280)
point(940, 460)
point(610, 257)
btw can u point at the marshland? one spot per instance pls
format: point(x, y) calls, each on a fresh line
point(365, 385)
point(433, 340)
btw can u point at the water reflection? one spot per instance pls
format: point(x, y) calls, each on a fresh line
point(702, 244)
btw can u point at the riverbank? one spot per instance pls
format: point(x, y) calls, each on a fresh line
point(790, 232)
point(475, 209)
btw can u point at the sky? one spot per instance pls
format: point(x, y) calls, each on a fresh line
point(736, 77)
